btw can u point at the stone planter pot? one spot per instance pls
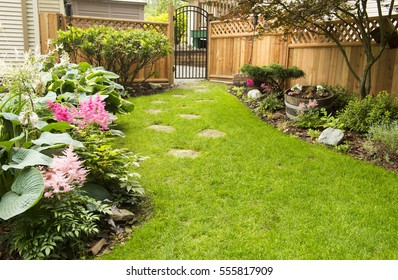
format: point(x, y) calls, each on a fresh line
point(292, 103)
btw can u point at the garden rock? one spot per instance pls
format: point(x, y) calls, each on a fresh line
point(331, 136)
point(254, 94)
point(155, 86)
point(121, 215)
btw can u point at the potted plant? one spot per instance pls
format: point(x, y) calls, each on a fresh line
point(299, 95)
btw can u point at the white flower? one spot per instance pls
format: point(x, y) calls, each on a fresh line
point(319, 87)
point(296, 87)
point(28, 118)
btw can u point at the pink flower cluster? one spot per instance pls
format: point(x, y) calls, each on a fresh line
point(310, 105)
point(64, 174)
point(88, 112)
point(265, 88)
point(249, 82)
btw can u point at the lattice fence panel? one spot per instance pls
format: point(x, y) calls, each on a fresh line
point(236, 27)
point(345, 32)
point(85, 22)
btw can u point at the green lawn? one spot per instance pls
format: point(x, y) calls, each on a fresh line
point(255, 193)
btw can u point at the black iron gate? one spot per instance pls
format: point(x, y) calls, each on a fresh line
point(190, 33)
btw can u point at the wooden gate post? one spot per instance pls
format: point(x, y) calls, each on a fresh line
point(170, 34)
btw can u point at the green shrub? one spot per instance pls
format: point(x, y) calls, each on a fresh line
point(309, 119)
point(57, 228)
point(360, 115)
point(123, 51)
point(111, 170)
point(275, 75)
point(271, 103)
point(387, 134)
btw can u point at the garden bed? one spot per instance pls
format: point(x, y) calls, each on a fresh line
point(356, 141)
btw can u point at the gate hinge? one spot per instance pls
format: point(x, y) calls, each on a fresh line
point(174, 68)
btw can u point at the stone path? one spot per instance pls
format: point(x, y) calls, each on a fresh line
point(206, 133)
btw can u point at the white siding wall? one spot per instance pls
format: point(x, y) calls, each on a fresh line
point(11, 35)
point(109, 9)
point(54, 6)
point(372, 7)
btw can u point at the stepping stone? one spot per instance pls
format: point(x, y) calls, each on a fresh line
point(163, 128)
point(179, 95)
point(153, 111)
point(204, 100)
point(158, 102)
point(211, 133)
point(203, 90)
point(183, 153)
point(189, 116)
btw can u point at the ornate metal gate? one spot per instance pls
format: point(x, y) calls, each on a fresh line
point(190, 33)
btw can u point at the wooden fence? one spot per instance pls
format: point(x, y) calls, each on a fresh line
point(231, 46)
point(51, 23)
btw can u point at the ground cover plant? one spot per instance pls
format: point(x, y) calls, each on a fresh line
point(253, 193)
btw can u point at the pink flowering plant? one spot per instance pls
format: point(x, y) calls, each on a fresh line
point(89, 112)
point(250, 82)
point(65, 173)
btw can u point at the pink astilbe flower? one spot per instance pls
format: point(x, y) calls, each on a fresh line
point(88, 112)
point(61, 113)
point(92, 111)
point(64, 174)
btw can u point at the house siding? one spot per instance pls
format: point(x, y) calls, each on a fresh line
point(51, 6)
point(109, 9)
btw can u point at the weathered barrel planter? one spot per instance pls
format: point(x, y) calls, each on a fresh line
point(292, 103)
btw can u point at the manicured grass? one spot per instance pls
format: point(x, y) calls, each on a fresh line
point(254, 193)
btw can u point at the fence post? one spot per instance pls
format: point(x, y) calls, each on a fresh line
point(170, 34)
point(209, 49)
point(49, 25)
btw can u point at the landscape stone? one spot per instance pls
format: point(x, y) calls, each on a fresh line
point(331, 136)
point(158, 102)
point(211, 133)
point(155, 86)
point(121, 215)
point(254, 94)
point(183, 153)
point(163, 128)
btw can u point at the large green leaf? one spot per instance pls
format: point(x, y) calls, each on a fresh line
point(97, 191)
point(58, 126)
point(8, 144)
point(22, 158)
point(48, 138)
point(25, 192)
